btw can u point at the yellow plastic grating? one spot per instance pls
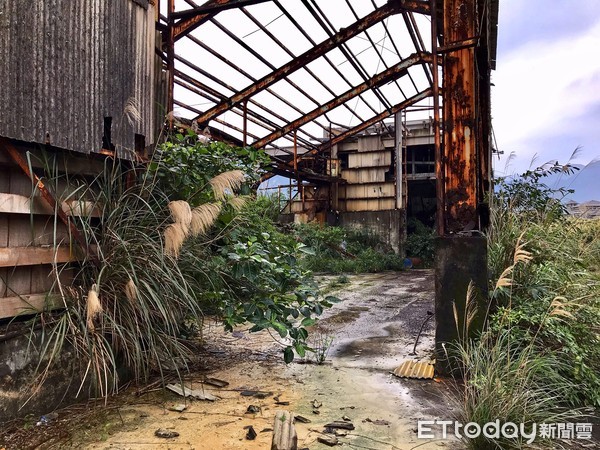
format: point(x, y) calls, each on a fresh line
point(415, 369)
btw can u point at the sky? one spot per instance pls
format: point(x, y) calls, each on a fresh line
point(546, 94)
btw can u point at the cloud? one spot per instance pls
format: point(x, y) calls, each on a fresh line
point(546, 91)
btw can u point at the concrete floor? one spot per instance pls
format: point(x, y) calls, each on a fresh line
point(370, 332)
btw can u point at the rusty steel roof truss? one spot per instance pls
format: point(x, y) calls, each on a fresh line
point(272, 106)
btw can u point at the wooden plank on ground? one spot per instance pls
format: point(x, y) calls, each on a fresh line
point(284, 432)
point(31, 256)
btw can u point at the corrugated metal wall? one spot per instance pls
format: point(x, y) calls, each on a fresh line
point(68, 64)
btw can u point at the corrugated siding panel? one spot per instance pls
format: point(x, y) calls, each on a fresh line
point(68, 64)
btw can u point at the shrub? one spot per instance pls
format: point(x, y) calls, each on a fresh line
point(337, 250)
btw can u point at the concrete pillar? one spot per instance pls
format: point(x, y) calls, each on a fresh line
point(460, 260)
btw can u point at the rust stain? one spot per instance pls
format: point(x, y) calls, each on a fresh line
point(460, 153)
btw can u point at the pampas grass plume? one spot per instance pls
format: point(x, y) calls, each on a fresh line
point(237, 203)
point(174, 236)
point(227, 183)
point(181, 213)
point(131, 291)
point(94, 308)
point(203, 217)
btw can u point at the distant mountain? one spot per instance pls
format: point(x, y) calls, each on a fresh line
point(585, 182)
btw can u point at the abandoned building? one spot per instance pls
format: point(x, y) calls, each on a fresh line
point(369, 196)
point(323, 86)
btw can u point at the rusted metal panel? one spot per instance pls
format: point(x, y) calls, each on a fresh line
point(460, 152)
point(66, 65)
point(415, 369)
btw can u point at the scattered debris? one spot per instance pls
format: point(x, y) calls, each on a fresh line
point(284, 432)
point(47, 418)
point(414, 369)
point(346, 418)
point(166, 434)
point(266, 430)
point(331, 441)
point(340, 433)
point(215, 382)
point(253, 409)
point(341, 425)
point(251, 433)
point(316, 411)
point(178, 408)
point(301, 419)
point(256, 394)
point(187, 392)
point(377, 421)
point(317, 404)
point(282, 403)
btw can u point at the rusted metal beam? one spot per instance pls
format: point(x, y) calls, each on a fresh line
point(453, 46)
point(292, 55)
point(322, 19)
point(392, 73)
point(302, 60)
point(439, 164)
point(16, 156)
point(373, 120)
point(325, 57)
point(202, 90)
point(250, 77)
point(192, 18)
point(460, 150)
point(170, 51)
point(215, 7)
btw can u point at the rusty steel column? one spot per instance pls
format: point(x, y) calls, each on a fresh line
point(170, 61)
point(460, 153)
point(439, 166)
point(461, 250)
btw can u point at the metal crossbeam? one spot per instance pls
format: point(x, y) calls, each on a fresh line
point(381, 78)
point(191, 19)
point(302, 60)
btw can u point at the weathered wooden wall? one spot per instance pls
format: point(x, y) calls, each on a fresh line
point(69, 64)
point(369, 160)
point(36, 249)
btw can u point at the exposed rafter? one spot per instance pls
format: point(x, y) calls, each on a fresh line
point(373, 120)
point(381, 78)
point(191, 19)
point(302, 60)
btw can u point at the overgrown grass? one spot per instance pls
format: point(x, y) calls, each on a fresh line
point(157, 263)
point(337, 250)
point(140, 296)
point(538, 361)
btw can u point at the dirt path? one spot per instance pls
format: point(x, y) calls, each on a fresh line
point(365, 337)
